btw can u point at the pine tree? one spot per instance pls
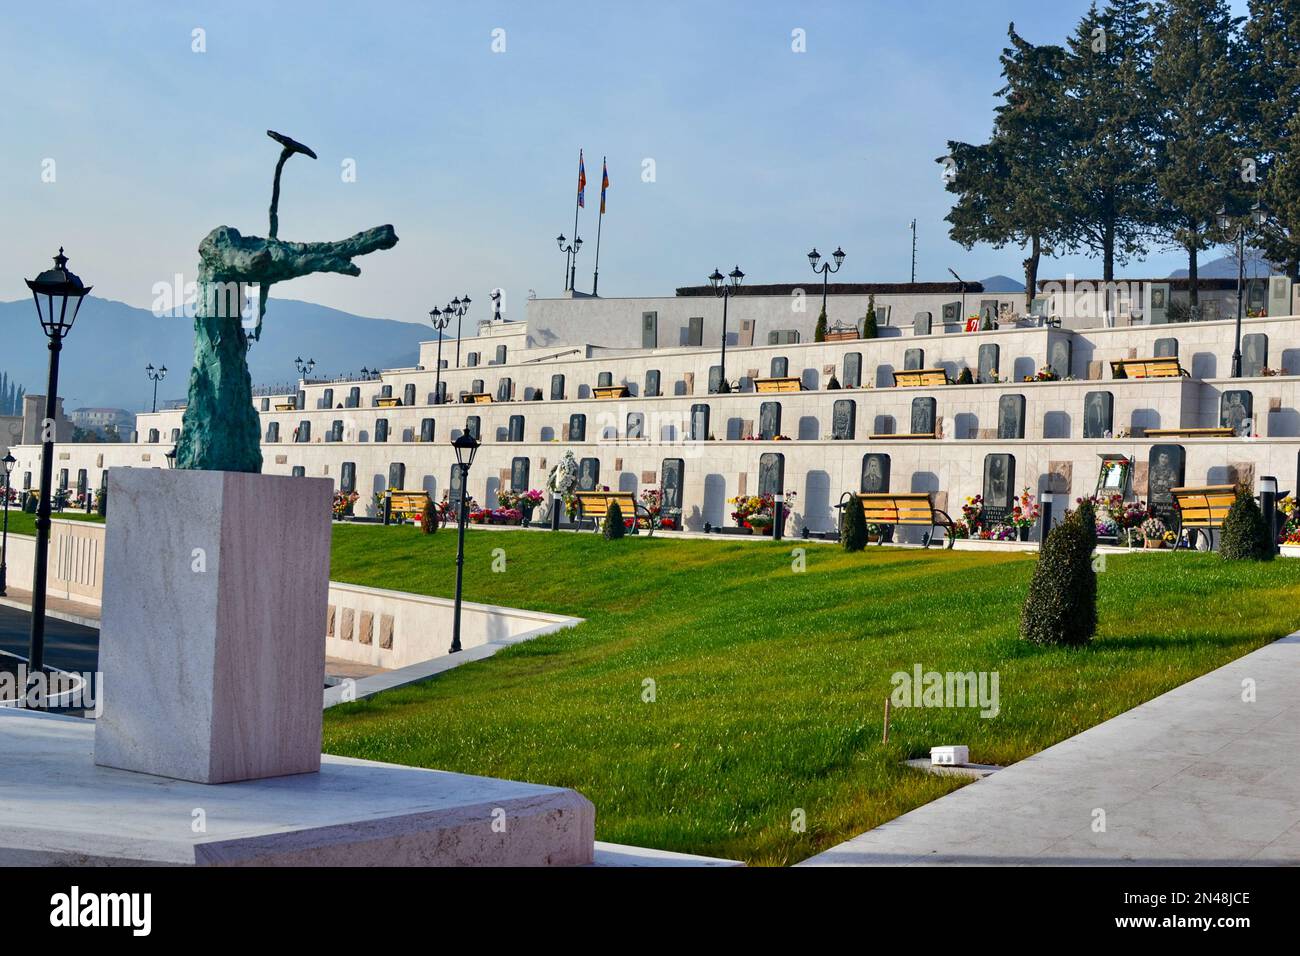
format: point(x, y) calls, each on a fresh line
point(1200, 85)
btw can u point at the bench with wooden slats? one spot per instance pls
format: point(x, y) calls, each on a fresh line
point(407, 504)
point(610, 391)
point(786, 383)
point(594, 505)
point(286, 406)
point(1203, 509)
point(842, 335)
point(1147, 368)
point(910, 378)
point(477, 398)
point(388, 402)
point(914, 508)
point(903, 436)
point(1190, 433)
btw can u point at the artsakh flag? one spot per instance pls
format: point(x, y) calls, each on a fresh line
point(582, 181)
point(604, 184)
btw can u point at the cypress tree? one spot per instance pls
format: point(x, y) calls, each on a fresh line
point(1245, 534)
point(1061, 606)
point(853, 526)
point(819, 333)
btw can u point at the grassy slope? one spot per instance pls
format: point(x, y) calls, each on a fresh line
point(21, 523)
point(770, 683)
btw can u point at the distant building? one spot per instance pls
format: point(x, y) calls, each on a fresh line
point(102, 420)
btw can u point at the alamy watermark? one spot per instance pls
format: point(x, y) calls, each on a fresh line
point(922, 688)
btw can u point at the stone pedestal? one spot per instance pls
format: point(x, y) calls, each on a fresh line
point(212, 645)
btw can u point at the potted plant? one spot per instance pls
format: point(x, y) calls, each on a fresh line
point(1153, 533)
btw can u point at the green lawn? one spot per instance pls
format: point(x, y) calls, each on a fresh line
point(22, 523)
point(770, 684)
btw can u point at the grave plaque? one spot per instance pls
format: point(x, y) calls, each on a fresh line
point(1254, 354)
point(408, 394)
point(501, 355)
point(348, 477)
point(715, 379)
point(988, 313)
point(518, 474)
point(1167, 464)
point(913, 359)
point(1058, 356)
point(440, 394)
point(454, 486)
point(301, 434)
point(381, 429)
point(952, 312)
point(1166, 348)
point(471, 360)
point(557, 388)
point(695, 330)
point(336, 430)
point(301, 400)
point(515, 429)
point(649, 330)
point(844, 417)
point(999, 483)
point(298, 471)
point(266, 405)
point(769, 420)
point(354, 397)
point(397, 475)
point(426, 429)
point(636, 425)
point(273, 432)
point(326, 401)
point(604, 379)
point(1011, 416)
point(922, 323)
point(672, 469)
point(875, 473)
point(699, 423)
point(853, 370)
point(386, 391)
point(577, 428)
point(989, 362)
point(923, 416)
point(588, 474)
point(1098, 414)
point(1237, 410)
point(504, 389)
point(652, 383)
point(780, 367)
point(771, 473)
point(474, 427)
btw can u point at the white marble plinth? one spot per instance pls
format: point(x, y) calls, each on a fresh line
point(60, 809)
point(212, 644)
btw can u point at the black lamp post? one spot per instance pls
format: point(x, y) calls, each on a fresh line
point(59, 288)
point(466, 445)
point(458, 308)
point(8, 463)
point(725, 289)
point(156, 375)
point(825, 268)
point(570, 255)
point(440, 321)
point(304, 368)
point(1257, 217)
point(171, 458)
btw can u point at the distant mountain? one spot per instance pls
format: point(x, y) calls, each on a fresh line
point(1002, 284)
point(1226, 268)
point(104, 357)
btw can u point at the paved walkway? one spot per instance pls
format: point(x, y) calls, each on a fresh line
point(1195, 777)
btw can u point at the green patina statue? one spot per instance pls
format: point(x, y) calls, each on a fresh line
point(221, 430)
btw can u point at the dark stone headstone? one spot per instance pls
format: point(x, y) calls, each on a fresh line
point(303, 433)
point(769, 420)
point(474, 427)
point(1236, 410)
point(348, 477)
point(952, 312)
point(715, 379)
point(780, 367)
point(336, 430)
point(1011, 416)
point(875, 473)
point(515, 429)
point(408, 394)
point(651, 383)
point(1058, 356)
point(923, 416)
point(397, 475)
point(844, 418)
point(1166, 348)
point(381, 429)
point(852, 370)
point(649, 330)
point(327, 398)
point(557, 388)
point(471, 360)
point(518, 474)
point(1098, 414)
point(273, 432)
point(385, 391)
point(999, 480)
point(476, 386)
point(501, 355)
point(990, 356)
point(504, 388)
point(913, 359)
point(672, 471)
point(1165, 471)
point(588, 474)
point(440, 394)
point(301, 400)
point(636, 425)
point(922, 323)
point(1254, 354)
point(577, 428)
point(354, 397)
point(699, 422)
point(695, 330)
point(266, 404)
point(771, 473)
point(604, 379)
point(298, 471)
point(426, 429)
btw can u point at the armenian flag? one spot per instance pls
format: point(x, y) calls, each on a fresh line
point(582, 181)
point(604, 184)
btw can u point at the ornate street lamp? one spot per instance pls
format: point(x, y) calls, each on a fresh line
point(724, 289)
point(156, 375)
point(825, 268)
point(1251, 222)
point(570, 255)
point(440, 320)
point(465, 445)
point(304, 368)
point(458, 308)
point(8, 464)
point(59, 288)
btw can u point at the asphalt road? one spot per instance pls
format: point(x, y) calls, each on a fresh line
point(69, 646)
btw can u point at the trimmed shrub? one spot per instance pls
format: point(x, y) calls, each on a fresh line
point(1245, 533)
point(101, 502)
point(1061, 606)
point(428, 517)
point(853, 526)
point(614, 527)
point(833, 384)
point(870, 328)
point(1086, 516)
point(964, 377)
point(819, 334)
point(30, 503)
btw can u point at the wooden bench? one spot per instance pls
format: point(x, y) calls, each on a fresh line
point(286, 407)
point(841, 335)
point(788, 383)
point(388, 402)
point(408, 503)
point(610, 391)
point(1202, 509)
point(1190, 433)
point(1147, 368)
point(903, 436)
point(914, 508)
point(594, 505)
point(477, 398)
point(921, 376)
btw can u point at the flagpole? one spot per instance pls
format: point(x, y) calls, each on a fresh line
point(573, 273)
point(595, 276)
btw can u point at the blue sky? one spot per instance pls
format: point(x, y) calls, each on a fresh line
point(759, 152)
